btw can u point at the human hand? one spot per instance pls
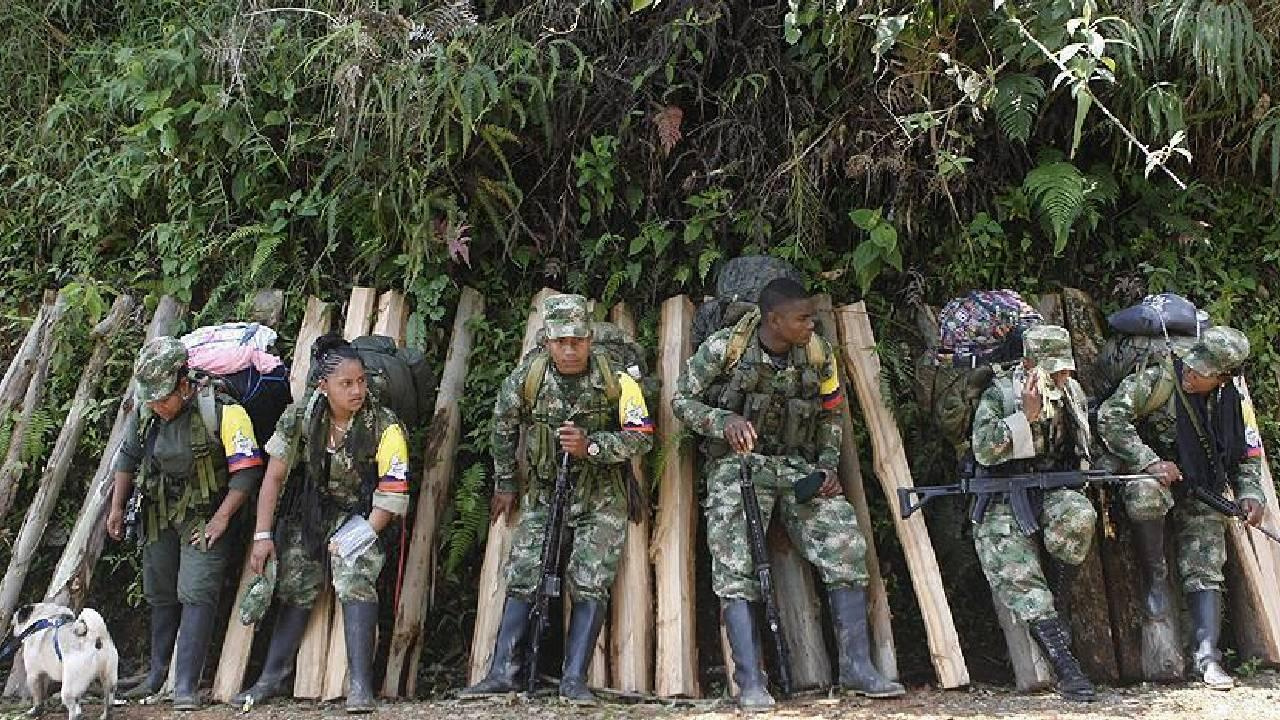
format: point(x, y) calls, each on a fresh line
point(213, 530)
point(263, 550)
point(115, 523)
point(573, 440)
point(1167, 472)
point(1253, 511)
point(1031, 401)
point(740, 434)
point(502, 503)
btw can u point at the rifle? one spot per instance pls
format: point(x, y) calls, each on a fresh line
point(1228, 507)
point(764, 573)
point(133, 516)
point(549, 585)
point(1015, 487)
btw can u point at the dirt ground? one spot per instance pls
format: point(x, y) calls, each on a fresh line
point(1256, 698)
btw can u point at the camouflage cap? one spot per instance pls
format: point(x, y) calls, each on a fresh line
point(157, 368)
point(1049, 346)
point(257, 597)
point(566, 316)
point(1221, 350)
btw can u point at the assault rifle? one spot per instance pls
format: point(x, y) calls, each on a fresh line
point(1015, 487)
point(1228, 507)
point(133, 516)
point(549, 585)
point(764, 573)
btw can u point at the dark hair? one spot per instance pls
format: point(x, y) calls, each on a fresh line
point(327, 353)
point(779, 292)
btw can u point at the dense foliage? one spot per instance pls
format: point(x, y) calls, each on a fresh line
point(898, 151)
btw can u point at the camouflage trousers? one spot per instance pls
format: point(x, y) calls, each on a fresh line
point(299, 575)
point(597, 520)
point(1011, 560)
point(824, 530)
point(1199, 533)
point(175, 571)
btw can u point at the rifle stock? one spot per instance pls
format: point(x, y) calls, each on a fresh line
point(764, 573)
point(549, 585)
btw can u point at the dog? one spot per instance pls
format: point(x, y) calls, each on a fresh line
point(59, 646)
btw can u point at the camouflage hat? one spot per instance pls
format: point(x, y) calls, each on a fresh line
point(157, 368)
point(1049, 346)
point(1221, 350)
point(257, 597)
point(566, 316)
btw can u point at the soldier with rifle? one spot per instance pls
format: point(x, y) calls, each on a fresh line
point(584, 424)
point(765, 395)
point(1185, 421)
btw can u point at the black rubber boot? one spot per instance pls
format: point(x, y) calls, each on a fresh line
point(286, 636)
point(164, 629)
point(359, 626)
point(584, 627)
point(1072, 683)
point(188, 657)
point(1205, 608)
point(1062, 578)
point(748, 663)
point(857, 673)
point(504, 672)
point(1149, 536)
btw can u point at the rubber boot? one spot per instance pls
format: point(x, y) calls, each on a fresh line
point(1205, 608)
point(1072, 683)
point(1062, 578)
point(504, 672)
point(748, 663)
point(286, 636)
point(164, 629)
point(188, 657)
point(857, 673)
point(359, 626)
point(1149, 535)
point(584, 627)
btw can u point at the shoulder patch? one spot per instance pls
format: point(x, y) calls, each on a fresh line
point(238, 441)
point(633, 413)
point(393, 460)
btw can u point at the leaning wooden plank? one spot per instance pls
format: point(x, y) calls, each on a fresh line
point(801, 612)
point(880, 617)
point(55, 473)
point(492, 593)
point(1031, 672)
point(14, 384)
point(441, 446)
point(891, 466)
point(13, 468)
point(393, 315)
point(672, 547)
point(360, 311)
point(1271, 519)
point(238, 641)
point(631, 639)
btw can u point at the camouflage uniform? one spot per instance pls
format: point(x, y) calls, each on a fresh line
point(1002, 436)
point(1140, 428)
point(354, 579)
point(618, 430)
point(794, 406)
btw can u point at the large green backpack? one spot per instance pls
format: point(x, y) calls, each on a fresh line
point(1124, 355)
point(612, 351)
point(398, 377)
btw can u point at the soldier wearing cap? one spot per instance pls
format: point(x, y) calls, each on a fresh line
point(194, 471)
point(583, 408)
point(1035, 418)
point(1160, 420)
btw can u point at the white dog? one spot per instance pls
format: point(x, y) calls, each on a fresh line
point(61, 647)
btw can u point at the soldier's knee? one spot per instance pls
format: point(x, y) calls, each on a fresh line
point(1147, 500)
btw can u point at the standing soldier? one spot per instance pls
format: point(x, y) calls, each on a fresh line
point(771, 392)
point(194, 474)
point(1189, 411)
point(601, 422)
point(1035, 419)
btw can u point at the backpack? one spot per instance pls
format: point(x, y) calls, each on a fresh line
point(1145, 334)
point(984, 326)
point(738, 286)
point(612, 351)
point(399, 378)
point(227, 359)
point(1158, 315)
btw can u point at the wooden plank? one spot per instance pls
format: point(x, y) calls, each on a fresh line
point(672, 546)
point(492, 592)
point(360, 312)
point(308, 679)
point(730, 685)
point(880, 618)
point(14, 384)
point(437, 475)
point(891, 466)
point(631, 623)
point(801, 613)
point(335, 670)
point(237, 643)
point(1031, 672)
point(393, 315)
point(1124, 595)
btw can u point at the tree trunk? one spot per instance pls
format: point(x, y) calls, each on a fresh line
point(14, 384)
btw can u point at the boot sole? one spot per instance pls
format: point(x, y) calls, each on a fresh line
point(487, 696)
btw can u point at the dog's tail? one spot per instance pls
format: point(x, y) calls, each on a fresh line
point(90, 625)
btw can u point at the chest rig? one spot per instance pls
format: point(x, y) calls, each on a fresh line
point(591, 402)
point(782, 401)
point(168, 500)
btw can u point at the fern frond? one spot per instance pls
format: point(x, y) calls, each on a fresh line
point(1016, 100)
point(1268, 128)
point(470, 517)
point(1057, 191)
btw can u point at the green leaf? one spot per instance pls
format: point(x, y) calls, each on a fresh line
point(638, 244)
point(1084, 101)
point(1057, 192)
point(865, 218)
point(1016, 101)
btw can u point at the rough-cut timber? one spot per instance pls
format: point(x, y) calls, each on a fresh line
point(1031, 672)
point(672, 548)
point(442, 444)
point(800, 610)
point(316, 320)
point(891, 466)
point(14, 384)
point(492, 593)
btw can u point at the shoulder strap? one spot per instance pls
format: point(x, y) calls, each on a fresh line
point(533, 379)
point(738, 339)
point(611, 388)
point(207, 404)
point(1163, 389)
point(1008, 396)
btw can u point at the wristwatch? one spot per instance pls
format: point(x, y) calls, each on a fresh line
point(593, 449)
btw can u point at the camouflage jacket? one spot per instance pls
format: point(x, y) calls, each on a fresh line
point(1139, 434)
point(622, 431)
point(1001, 431)
point(706, 369)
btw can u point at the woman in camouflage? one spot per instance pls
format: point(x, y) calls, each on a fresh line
point(342, 461)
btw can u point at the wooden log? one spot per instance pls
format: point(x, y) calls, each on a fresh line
point(675, 527)
point(238, 641)
point(55, 474)
point(730, 685)
point(492, 592)
point(308, 679)
point(360, 311)
point(631, 623)
point(437, 475)
point(891, 466)
point(267, 307)
point(880, 618)
point(393, 315)
point(14, 384)
point(13, 468)
point(1124, 596)
point(1031, 672)
point(801, 613)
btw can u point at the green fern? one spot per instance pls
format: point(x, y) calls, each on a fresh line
point(1057, 192)
point(1268, 129)
point(1016, 100)
point(37, 434)
point(263, 253)
point(1221, 43)
point(470, 517)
